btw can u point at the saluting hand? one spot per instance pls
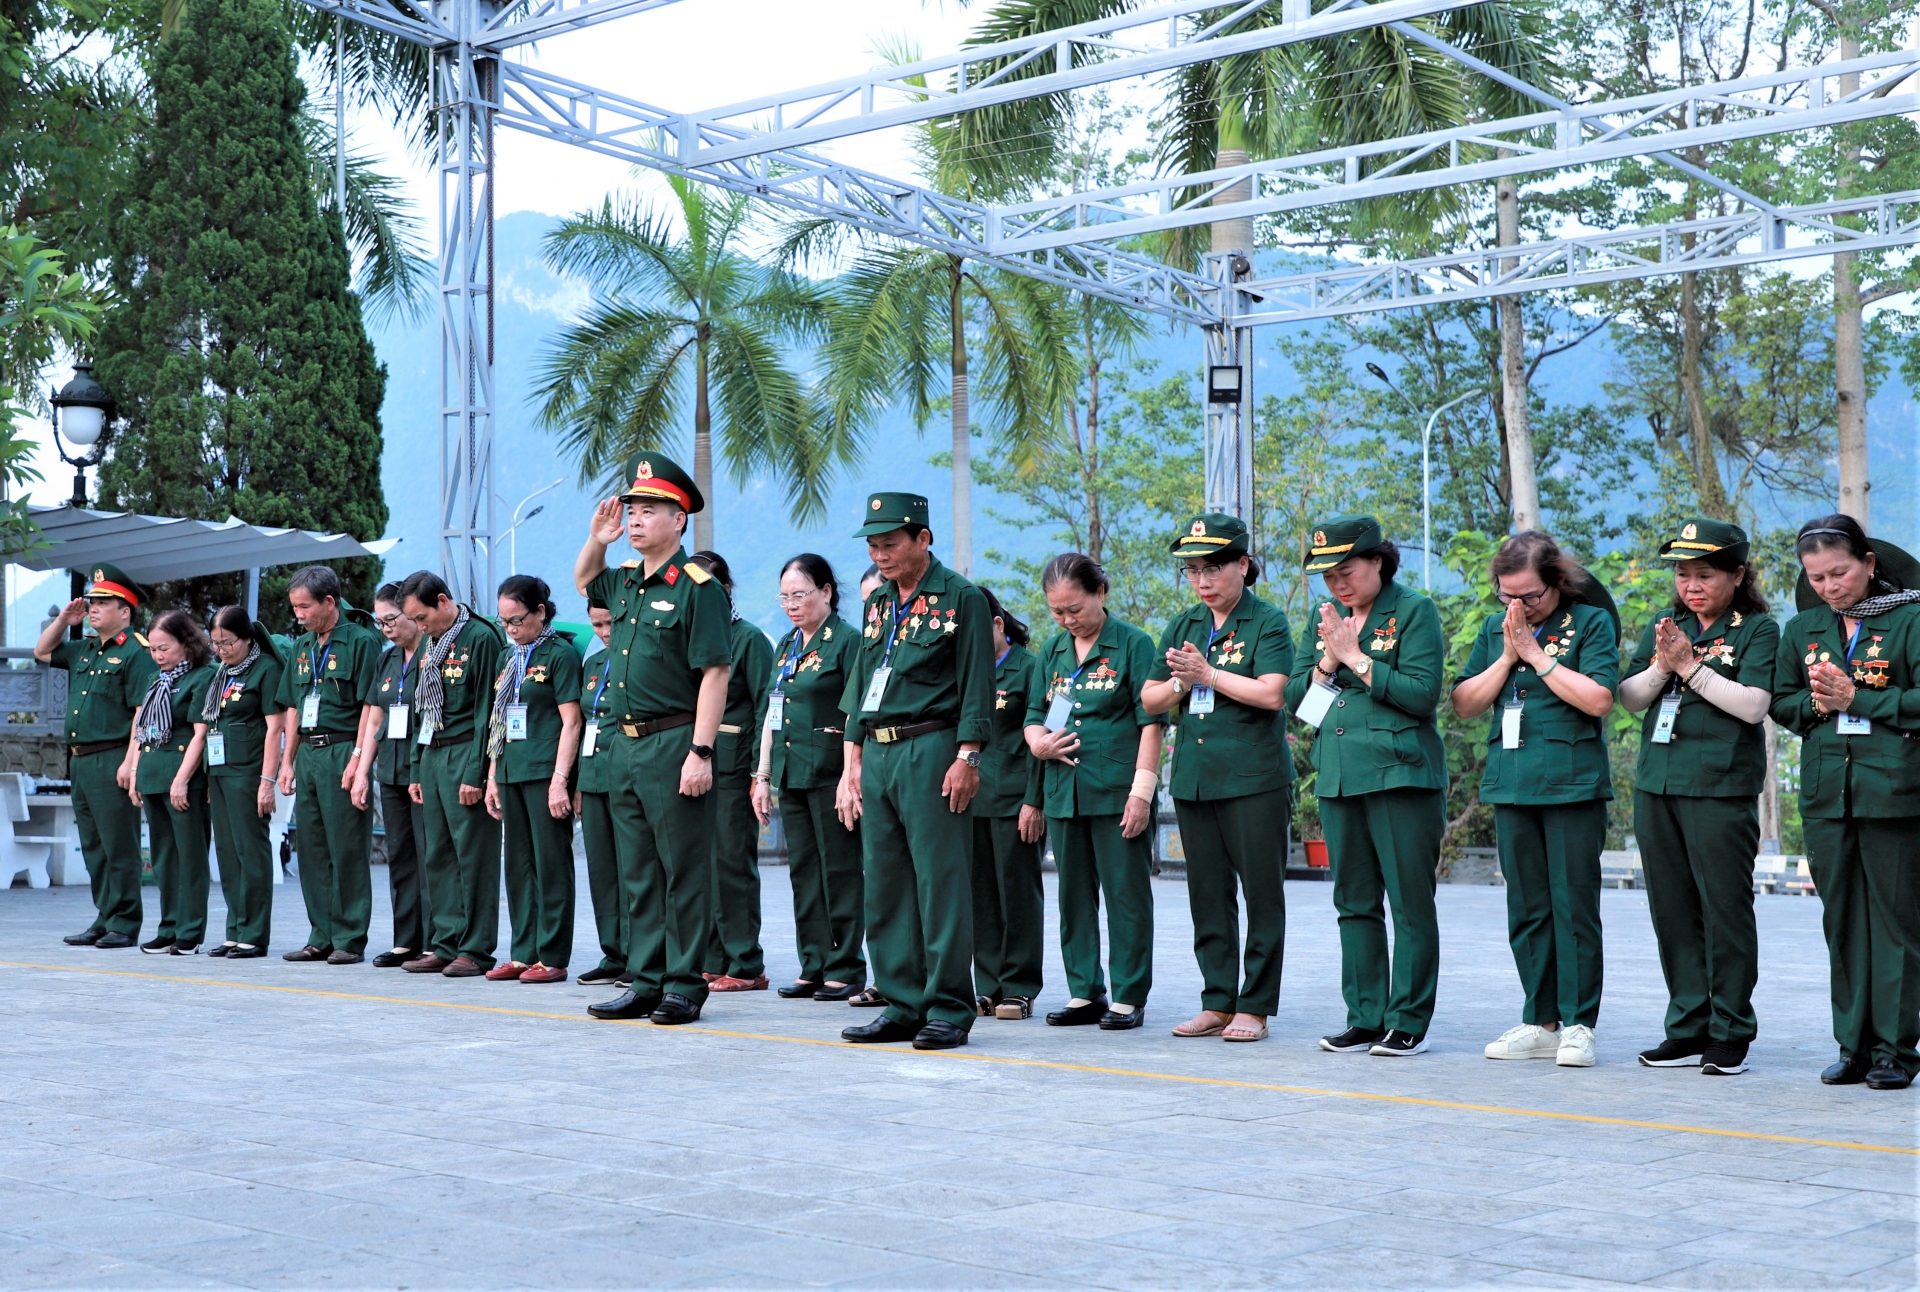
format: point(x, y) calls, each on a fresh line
point(75, 611)
point(609, 521)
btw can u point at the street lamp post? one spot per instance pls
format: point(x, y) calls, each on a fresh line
point(517, 520)
point(1426, 472)
point(83, 417)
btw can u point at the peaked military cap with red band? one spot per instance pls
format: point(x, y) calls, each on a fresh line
point(655, 475)
point(108, 581)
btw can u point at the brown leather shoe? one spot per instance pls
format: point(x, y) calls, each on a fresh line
point(504, 971)
point(428, 963)
point(305, 955)
point(463, 967)
point(727, 982)
point(544, 973)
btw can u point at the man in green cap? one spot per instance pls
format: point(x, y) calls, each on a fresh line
point(108, 672)
point(668, 655)
point(919, 704)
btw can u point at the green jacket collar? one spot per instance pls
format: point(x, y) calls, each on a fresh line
point(833, 621)
point(937, 580)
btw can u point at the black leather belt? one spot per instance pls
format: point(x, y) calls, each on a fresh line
point(651, 725)
point(94, 747)
point(321, 739)
point(888, 735)
point(441, 742)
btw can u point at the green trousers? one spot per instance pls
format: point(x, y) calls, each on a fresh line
point(919, 864)
point(1550, 857)
point(245, 849)
point(1093, 859)
point(612, 921)
point(1867, 870)
point(1009, 911)
point(733, 948)
point(825, 867)
point(179, 841)
point(539, 860)
point(461, 854)
point(1385, 847)
point(1698, 854)
point(109, 826)
point(402, 819)
point(664, 841)
point(336, 848)
point(1237, 844)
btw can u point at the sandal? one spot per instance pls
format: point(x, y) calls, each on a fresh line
point(1241, 1032)
point(868, 999)
point(1208, 1022)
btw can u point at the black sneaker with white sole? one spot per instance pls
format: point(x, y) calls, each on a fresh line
point(158, 946)
point(1673, 1054)
point(1354, 1040)
point(1399, 1045)
point(1724, 1059)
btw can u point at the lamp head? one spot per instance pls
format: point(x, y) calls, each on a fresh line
point(82, 408)
point(1379, 372)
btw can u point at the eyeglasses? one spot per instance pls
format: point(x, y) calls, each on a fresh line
point(387, 621)
point(224, 643)
point(795, 598)
point(1527, 599)
point(516, 620)
point(1203, 573)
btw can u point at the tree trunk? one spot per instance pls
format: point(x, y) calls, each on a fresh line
point(1849, 353)
point(1702, 460)
point(1524, 486)
point(962, 429)
point(1233, 235)
point(702, 448)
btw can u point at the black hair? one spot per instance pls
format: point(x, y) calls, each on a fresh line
point(183, 628)
point(236, 621)
point(1532, 550)
point(1077, 568)
point(1015, 630)
point(532, 592)
point(1389, 554)
point(716, 565)
point(1747, 597)
point(424, 586)
point(317, 581)
point(1823, 533)
point(598, 603)
point(873, 572)
point(389, 593)
point(815, 567)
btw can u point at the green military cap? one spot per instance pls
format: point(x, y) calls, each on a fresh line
point(1333, 541)
point(887, 512)
point(1213, 534)
point(108, 581)
point(1700, 537)
point(655, 475)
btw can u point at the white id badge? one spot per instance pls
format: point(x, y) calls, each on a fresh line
point(397, 716)
point(777, 711)
point(590, 739)
point(876, 688)
point(1315, 704)
point(1851, 724)
point(1202, 701)
point(216, 749)
point(1059, 709)
point(426, 734)
point(1663, 725)
point(310, 710)
point(516, 722)
point(1510, 724)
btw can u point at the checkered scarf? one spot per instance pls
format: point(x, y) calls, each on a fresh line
point(430, 698)
point(210, 711)
point(503, 693)
point(1881, 604)
point(155, 720)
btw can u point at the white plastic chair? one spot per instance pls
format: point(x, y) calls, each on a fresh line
point(21, 852)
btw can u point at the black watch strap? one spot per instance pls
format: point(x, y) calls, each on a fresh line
point(703, 751)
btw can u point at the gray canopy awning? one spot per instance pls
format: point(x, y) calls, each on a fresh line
point(153, 549)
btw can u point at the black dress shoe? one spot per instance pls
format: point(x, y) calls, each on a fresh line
point(939, 1034)
point(86, 939)
point(881, 1031)
point(799, 990)
point(1078, 1015)
point(156, 946)
point(845, 991)
point(675, 1009)
point(1114, 1021)
point(392, 959)
point(222, 949)
point(113, 941)
point(1888, 1075)
point(625, 1005)
point(245, 953)
point(594, 977)
point(1848, 1071)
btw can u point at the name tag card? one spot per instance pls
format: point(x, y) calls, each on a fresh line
point(216, 749)
point(1663, 725)
point(397, 718)
point(426, 734)
point(590, 739)
point(310, 710)
point(1315, 704)
point(1201, 701)
point(516, 722)
point(876, 689)
point(777, 711)
point(1059, 709)
point(1510, 724)
point(1852, 725)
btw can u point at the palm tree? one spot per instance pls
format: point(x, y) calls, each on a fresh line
point(679, 314)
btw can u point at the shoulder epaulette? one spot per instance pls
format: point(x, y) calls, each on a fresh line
point(137, 637)
point(629, 565)
point(697, 574)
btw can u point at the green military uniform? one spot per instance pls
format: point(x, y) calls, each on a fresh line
point(236, 760)
point(1857, 802)
point(539, 845)
point(938, 644)
point(1009, 902)
point(668, 625)
point(178, 838)
point(106, 681)
point(1696, 810)
point(403, 819)
point(1084, 801)
point(1550, 812)
point(336, 838)
point(1380, 775)
point(460, 844)
point(823, 856)
point(733, 948)
point(1232, 788)
point(612, 917)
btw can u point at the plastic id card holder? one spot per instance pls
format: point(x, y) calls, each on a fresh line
point(1315, 704)
point(590, 739)
point(1510, 724)
point(310, 710)
point(1850, 724)
point(876, 689)
point(516, 722)
point(216, 749)
point(426, 734)
point(1663, 725)
point(1059, 709)
point(777, 711)
point(398, 716)
point(1201, 700)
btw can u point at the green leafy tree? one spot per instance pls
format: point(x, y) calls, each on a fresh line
point(245, 380)
point(42, 305)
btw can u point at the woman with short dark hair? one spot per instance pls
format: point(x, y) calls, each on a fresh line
point(1009, 902)
point(241, 729)
point(169, 782)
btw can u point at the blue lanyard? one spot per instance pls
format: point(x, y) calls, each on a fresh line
point(320, 662)
point(791, 664)
point(606, 672)
point(1853, 642)
point(400, 696)
point(1003, 657)
point(893, 633)
point(1075, 676)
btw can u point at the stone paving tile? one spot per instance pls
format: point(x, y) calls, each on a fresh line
point(810, 1261)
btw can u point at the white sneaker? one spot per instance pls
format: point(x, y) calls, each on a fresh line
point(1576, 1047)
point(1527, 1041)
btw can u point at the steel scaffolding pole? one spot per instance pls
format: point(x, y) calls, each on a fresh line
point(1229, 444)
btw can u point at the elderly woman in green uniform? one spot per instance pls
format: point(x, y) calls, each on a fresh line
point(1847, 680)
point(242, 730)
point(735, 959)
point(170, 783)
point(1009, 901)
point(801, 760)
point(533, 735)
point(1224, 667)
point(1101, 757)
point(1380, 778)
point(611, 921)
point(402, 820)
point(1702, 680)
point(1547, 669)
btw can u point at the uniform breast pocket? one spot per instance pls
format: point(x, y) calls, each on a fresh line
point(1572, 758)
point(1396, 737)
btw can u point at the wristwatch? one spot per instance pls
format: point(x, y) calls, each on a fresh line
point(703, 751)
point(1364, 667)
point(971, 758)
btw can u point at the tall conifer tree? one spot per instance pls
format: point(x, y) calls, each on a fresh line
point(244, 376)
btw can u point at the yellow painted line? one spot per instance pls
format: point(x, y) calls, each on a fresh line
point(1140, 1073)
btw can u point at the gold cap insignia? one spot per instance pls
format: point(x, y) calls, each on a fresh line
point(1691, 531)
point(646, 472)
point(1199, 529)
point(1319, 538)
point(99, 575)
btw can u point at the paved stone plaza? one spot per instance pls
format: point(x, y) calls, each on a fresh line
point(261, 1124)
